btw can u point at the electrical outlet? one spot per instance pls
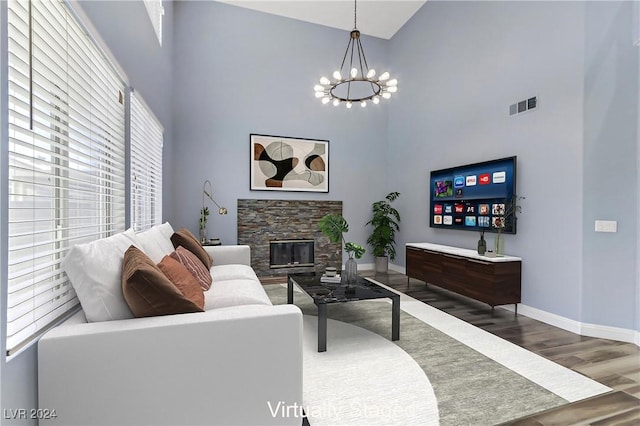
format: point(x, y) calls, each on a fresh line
point(606, 226)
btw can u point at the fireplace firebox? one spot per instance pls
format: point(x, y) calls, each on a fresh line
point(291, 253)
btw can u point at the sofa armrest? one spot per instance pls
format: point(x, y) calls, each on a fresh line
point(223, 366)
point(226, 255)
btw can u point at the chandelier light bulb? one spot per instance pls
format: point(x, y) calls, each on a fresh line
point(386, 95)
point(349, 104)
point(318, 88)
point(392, 89)
point(337, 75)
point(393, 82)
point(371, 73)
point(324, 81)
point(336, 102)
point(354, 72)
point(363, 104)
point(325, 100)
point(319, 94)
point(376, 100)
point(384, 76)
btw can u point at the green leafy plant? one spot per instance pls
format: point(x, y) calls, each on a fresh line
point(203, 217)
point(333, 226)
point(385, 222)
point(509, 212)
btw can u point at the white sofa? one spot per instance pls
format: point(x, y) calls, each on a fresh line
point(233, 364)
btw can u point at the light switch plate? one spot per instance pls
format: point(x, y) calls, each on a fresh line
point(606, 226)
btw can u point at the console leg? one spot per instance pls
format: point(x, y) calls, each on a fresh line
point(516, 306)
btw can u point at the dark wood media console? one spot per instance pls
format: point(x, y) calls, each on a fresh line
point(495, 281)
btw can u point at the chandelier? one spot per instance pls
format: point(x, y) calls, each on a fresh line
point(360, 83)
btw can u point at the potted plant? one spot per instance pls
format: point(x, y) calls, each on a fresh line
point(385, 222)
point(204, 212)
point(333, 226)
point(508, 213)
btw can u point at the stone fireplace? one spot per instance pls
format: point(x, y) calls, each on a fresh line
point(290, 225)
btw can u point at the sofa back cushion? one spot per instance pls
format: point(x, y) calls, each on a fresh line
point(187, 240)
point(148, 291)
point(183, 279)
point(156, 241)
point(194, 265)
point(94, 270)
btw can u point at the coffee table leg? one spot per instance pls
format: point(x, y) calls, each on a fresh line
point(395, 318)
point(322, 327)
point(289, 290)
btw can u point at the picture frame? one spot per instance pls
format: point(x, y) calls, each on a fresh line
point(282, 163)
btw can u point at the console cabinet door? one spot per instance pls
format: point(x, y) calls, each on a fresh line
point(415, 264)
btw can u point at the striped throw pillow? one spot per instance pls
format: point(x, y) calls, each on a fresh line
point(194, 265)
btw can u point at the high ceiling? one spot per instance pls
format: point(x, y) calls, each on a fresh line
point(379, 18)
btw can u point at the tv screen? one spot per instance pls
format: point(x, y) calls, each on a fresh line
point(474, 197)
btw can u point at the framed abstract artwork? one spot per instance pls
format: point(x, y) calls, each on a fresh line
point(289, 164)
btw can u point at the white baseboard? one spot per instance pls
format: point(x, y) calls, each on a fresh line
point(577, 327)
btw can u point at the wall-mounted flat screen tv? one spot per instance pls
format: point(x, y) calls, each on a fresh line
point(474, 197)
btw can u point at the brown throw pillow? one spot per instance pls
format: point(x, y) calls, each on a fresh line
point(187, 240)
point(147, 291)
point(193, 264)
point(183, 279)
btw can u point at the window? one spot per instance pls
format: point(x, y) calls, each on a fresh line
point(146, 165)
point(66, 159)
point(156, 12)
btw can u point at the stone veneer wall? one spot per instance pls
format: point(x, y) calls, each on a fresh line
point(260, 221)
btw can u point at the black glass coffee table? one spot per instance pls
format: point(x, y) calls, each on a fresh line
point(326, 293)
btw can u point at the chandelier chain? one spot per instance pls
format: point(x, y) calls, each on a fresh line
point(355, 14)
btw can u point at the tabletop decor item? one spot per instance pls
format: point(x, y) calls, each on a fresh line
point(333, 226)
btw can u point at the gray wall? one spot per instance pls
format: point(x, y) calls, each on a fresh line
point(610, 169)
point(466, 62)
point(238, 72)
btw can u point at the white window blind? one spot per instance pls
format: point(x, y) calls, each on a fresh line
point(146, 165)
point(66, 159)
point(156, 12)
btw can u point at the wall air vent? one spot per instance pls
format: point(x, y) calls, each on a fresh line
point(522, 106)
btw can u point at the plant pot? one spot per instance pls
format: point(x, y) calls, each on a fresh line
point(382, 264)
point(499, 245)
point(351, 271)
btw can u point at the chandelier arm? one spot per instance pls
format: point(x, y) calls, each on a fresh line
point(363, 58)
point(344, 58)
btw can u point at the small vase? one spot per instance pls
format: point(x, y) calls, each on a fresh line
point(499, 245)
point(482, 245)
point(351, 271)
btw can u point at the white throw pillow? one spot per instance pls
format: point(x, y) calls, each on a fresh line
point(95, 271)
point(156, 242)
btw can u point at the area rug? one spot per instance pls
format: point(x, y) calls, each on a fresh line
point(442, 371)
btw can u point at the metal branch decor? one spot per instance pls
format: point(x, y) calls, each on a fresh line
point(289, 164)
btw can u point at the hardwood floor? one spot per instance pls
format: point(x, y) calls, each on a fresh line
point(612, 363)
